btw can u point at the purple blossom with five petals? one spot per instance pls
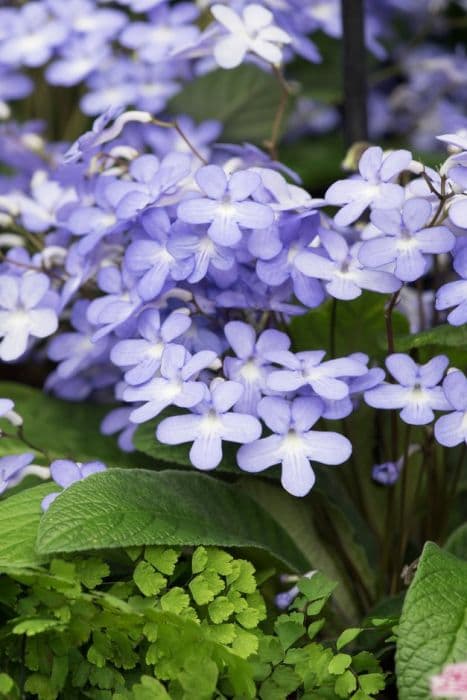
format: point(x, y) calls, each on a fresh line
point(76, 350)
point(251, 367)
point(417, 392)
point(118, 306)
point(327, 379)
point(451, 429)
point(226, 208)
point(295, 237)
point(150, 259)
point(142, 356)
point(211, 422)
point(193, 245)
point(65, 473)
point(407, 240)
point(153, 180)
point(176, 385)
point(373, 187)
point(293, 444)
point(343, 273)
point(253, 31)
point(27, 309)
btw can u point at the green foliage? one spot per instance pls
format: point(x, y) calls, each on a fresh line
point(433, 625)
point(61, 428)
point(245, 100)
point(19, 519)
point(360, 326)
point(121, 507)
point(446, 339)
point(141, 629)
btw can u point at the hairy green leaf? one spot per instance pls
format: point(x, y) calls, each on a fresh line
point(433, 626)
point(19, 520)
point(119, 508)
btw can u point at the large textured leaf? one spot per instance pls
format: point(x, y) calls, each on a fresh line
point(245, 100)
point(61, 428)
point(19, 519)
point(433, 626)
point(119, 508)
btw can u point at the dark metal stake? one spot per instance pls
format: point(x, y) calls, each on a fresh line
point(354, 71)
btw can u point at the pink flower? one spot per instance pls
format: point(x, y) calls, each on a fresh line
point(451, 683)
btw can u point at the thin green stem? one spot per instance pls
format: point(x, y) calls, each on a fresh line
point(286, 91)
point(333, 327)
point(403, 529)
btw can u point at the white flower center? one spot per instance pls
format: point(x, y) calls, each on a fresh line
point(250, 371)
point(210, 424)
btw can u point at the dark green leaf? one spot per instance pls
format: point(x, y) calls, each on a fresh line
point(244, 100)
point(19, 520)
point(63, 429)
point(121, 508)
point(444, 336)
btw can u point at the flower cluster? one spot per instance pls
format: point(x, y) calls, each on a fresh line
point(165, 267)
point(141, 52)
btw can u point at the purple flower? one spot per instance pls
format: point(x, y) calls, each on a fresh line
point(30, 35)
point(293, 444)
point(407, 240)
point(65, 473)
point(168, 29)
point(13, 469)
point(344, 275)
point(75, 350)
point(27, 308)
point(150, 259)
point(251, 368)
point(225, 208)
point(389, 472)
point(151, 180)
point(39, 212)
point(307, 369)
point(119, 304)
point(451, 430)
point(253, 32)
point(295, 238)
point(455, 293)
point(212, 423)
point(8, 413)
point(176, 385)
point(417, 393)
point(202, 255)
point(101, 133)
point(93, 222)
point(341, 408)
point(142, 356)
point(118, 421)
point(374, 187)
